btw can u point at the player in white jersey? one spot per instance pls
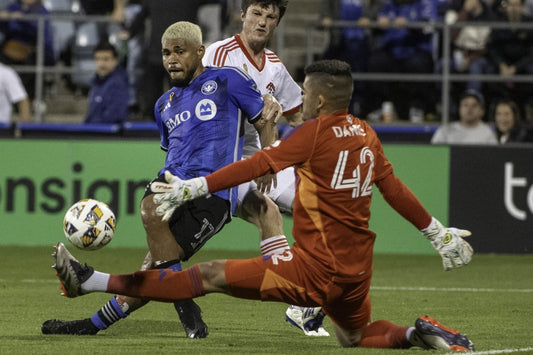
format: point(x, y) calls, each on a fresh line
point(271, 78)
point(247, 51)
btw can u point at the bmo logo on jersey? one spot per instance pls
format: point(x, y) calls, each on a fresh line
point(172, 123)
point(205, 110)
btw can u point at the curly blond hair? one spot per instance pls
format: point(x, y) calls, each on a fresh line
point(185, 30)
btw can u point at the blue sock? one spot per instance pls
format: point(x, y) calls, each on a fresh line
point(110, 313)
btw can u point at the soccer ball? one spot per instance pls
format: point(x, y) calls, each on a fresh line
point(89, 224)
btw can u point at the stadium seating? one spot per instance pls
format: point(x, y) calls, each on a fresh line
point(4, 3)
point(82, 54)
point(63, 31)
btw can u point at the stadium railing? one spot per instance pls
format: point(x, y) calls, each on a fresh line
point(44, 129)
point(446, 77)
point(77, 130)
point(312, 28)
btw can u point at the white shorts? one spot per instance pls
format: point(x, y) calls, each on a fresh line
point(282, 195)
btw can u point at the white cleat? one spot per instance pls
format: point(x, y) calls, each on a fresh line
point(308, 319)
point(70, 272)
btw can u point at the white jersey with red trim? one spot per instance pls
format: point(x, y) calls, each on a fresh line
point(272, 78)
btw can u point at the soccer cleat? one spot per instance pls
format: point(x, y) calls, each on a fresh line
point(191, 318)
point(308, 319)
point(75, 327)
point(70, 272)
point(430, 334)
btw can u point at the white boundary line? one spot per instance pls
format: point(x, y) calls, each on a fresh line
point(450, 289)
point(379, 288)
point(406, 288)
point(502, 351)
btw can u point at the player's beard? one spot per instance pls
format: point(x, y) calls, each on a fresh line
point(184, 81)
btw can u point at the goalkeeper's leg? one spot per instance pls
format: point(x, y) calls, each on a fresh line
point(351, 318)
point(119, 307)
point(426, 334)
point(260, 210)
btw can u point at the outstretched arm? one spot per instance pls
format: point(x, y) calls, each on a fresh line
point(454, 251)
point(176, 192)
point(404, 201)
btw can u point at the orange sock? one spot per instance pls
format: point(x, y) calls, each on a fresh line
point(384, 334)
point(164, 285)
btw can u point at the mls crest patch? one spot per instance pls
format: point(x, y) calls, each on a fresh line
point(209, 87)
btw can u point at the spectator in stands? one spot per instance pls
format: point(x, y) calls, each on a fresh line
point(12, 92)
point(108, 95)
point(113, 8)
point(125, 12)
point(350, 44)
point(510, 53)
point(20, 44)
point(210, 20)
point(469, 43)
point(528, 7)
point(509, 127)
point(161, 13)
point(470, 129)
point(403, 50)
point(231, 17)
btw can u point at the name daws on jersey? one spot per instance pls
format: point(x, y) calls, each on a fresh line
point(348, 131)
point(204, 111)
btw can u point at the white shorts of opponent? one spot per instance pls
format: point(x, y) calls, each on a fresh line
point(282, 195)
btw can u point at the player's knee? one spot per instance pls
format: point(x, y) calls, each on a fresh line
point(346, 338)
point(272, 210)
point(256, 204)
point(157, 231)
point(213, 276)
point(148, 215)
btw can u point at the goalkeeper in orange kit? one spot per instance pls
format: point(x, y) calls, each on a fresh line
point(338, 158)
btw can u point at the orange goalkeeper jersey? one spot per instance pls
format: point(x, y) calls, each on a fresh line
point(337, 158)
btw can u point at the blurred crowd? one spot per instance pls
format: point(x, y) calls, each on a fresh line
point(392, 47)
point(125, 28)
point(119, 53)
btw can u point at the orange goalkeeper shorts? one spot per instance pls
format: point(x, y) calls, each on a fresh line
point(289, 278)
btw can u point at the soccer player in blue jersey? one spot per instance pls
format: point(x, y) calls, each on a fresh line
point(200, 121)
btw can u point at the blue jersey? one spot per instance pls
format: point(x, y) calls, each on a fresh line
point(403, 42)
point(352, 10)
point(201, 125)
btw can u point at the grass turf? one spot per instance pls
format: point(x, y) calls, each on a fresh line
point(491, 301)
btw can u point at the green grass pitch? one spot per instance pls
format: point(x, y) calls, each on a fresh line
point(491, 300)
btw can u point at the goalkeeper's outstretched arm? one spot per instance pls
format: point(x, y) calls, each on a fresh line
point(449, 242)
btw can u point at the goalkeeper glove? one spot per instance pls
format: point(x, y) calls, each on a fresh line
point(175, 193)
point(449, 242)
